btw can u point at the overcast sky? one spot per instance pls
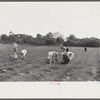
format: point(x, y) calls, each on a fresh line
point(79, 18)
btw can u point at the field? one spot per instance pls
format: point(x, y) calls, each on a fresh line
point(84, 67)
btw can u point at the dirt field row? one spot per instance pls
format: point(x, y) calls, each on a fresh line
point(84, 67)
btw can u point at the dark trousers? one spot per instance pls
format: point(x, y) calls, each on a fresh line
point(65, 59)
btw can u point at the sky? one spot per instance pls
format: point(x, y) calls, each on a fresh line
point(81, 19)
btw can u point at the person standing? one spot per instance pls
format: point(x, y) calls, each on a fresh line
point(85, 49)
point(15, 45)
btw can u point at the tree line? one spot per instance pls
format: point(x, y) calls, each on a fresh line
point(83, 42)
point(50, 39)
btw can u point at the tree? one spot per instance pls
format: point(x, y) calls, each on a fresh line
point(72, 37)
point(59, 40)
point(39, 36)
point(12, 38)
point(50, 41)
point(4, 37)
point(28, 39)
point(11, 33)
point(50, 35)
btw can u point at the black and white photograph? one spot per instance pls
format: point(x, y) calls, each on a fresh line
point(50, 42)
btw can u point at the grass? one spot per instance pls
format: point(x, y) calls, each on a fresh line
point(84, 67)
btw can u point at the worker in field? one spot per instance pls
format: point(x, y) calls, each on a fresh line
point(15, 45)
point(53, 56)
point(85, 49)
point(65, 49)
point(14, 56)
point(67, 57)
point(23, 52)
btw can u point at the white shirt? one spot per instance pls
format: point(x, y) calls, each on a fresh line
point(69, 54)
point(24, 52)
point(52, 54)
